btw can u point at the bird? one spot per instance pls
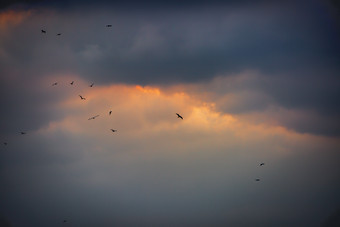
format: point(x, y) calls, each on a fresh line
point(64, 221)
point(94, 117)
point(43, 31)
point(81, 97)
point(257, 179)
point(58, 34)
point(72, 82)
point(5, 143)
point(179, 116)
point(262, 164)
point(110, 112)
point(91, 85)
point(54, 84)
point(109, 25)
point(113, 130)
point(22, 133)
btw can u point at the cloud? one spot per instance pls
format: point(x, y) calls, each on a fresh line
point(332, 220)
point(175, 45)
point(306, 107)
point(158, 169)
point(252, 84)
point(296, 64)
point(131, 4)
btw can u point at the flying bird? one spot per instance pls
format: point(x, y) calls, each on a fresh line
point(22, 133)
point(72, 82)
point(94, 117)
point(5, 143)
point(110, 112)
point(81, 97)
point(54, 84)
point(109, 25)
point(179, 116)
point(58, 34)
point(113, 130)
point(257, 179)
point(262, 164)
point(64, 221)
point(43, 31)
point(91, 85)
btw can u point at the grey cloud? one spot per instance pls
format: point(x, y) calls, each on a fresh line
point(131, 4)
point(311, 122)
point(333, 220)
point(298, 55)
point(28, 104)
point(304, 103)
point(176, 45)
point(49, 178)
point(145, 181)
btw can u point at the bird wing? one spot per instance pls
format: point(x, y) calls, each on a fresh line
point(179, 116)
point(93, 117)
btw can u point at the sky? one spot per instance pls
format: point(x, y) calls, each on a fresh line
point(255, 82)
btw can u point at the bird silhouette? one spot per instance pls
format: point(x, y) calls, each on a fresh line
point(113, 130)
point(94, 117)
point(257, 179)
point(72, 82)
point(81, 97)
point(5, 143)
point(91, 85)
point(54, 84)
point(58, 34)
point(179, 116)
point(22, 133)
point(43, 31)
point(109, 25)
point(64, 221)
point(262, 164)
point(110, 112)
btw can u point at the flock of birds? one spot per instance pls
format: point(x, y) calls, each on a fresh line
point(59, 34)
point(94, 117)
point(110, 112)
point(83, 98)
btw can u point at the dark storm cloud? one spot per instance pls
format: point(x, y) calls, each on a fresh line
point(156, 47)
point(25, 109)
point(130, 4)
point(312, 96)
point(303, 103)
point(333, 220)
point(298, 54)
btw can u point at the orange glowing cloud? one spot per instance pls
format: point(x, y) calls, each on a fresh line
point(146, 116)
point(12, 17)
